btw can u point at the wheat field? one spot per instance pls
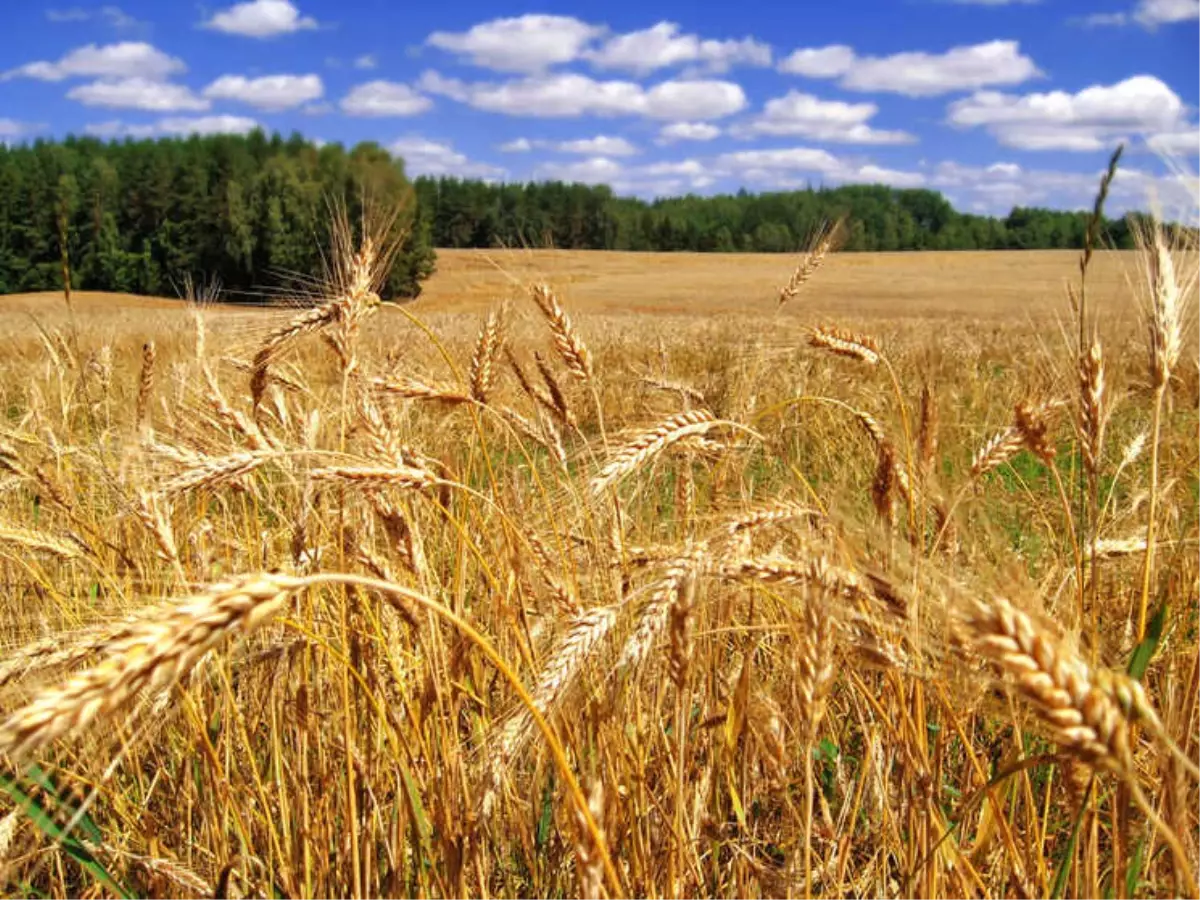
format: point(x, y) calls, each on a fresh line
point(608, 575)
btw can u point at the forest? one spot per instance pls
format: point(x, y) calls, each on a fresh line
point(139, 216)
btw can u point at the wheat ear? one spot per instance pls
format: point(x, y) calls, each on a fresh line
point(651, 442)
point(150, 655)
point(567, 341)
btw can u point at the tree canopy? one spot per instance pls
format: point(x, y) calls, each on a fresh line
point(140, 216)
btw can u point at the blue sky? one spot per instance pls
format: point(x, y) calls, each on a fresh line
point(993, 102)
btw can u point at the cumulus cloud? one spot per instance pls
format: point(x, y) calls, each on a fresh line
point(661, 45)
point(804, 115)
point(261, 19)
point(819, 62)
point(270, 92)
point(1176, 143)
point(426, 157)
point(366, 61)
point(999, 187)
point(528, 43)
point(654, 179)
point(688, 131)
point(384, 98)
point(601, 145)
point(787, 167)
point(138, 93)
point(122, 60)
point(115, 128)
point(916, 74)
point(1092, 119)
point(568, 95)
point(1152, 13)
point(11, 130)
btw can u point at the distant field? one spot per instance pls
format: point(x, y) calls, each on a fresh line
point(861, 285)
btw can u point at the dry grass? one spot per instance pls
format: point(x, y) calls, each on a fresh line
point(599, 574)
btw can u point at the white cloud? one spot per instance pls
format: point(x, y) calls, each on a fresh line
point(601, 145)
point(366, 61)
point(261, 19)
point(997, 188)
point(123, 60)
point(11, 129)
point(820, 62)
point(783, 168)
point(655, 179)
point(689, 167)
point(1151, 13)
point(270, 92)
point(520, 145)
point(1176, 143)
point(173, 126)
point(207, 125)
point(688, 131)
point(662, 45)
point(1092, 119)
point(527, 43)
point(917, 74)
point(804, 115)
point(425, 157)
point(596, 170)
point(995, 2)
point(568, 94)
point(384, 98)
point(138, 93)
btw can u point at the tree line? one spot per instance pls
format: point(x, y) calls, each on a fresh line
point(469, 213)
point(138, 216)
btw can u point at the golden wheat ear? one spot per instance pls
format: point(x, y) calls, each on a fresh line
point(152, 653)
